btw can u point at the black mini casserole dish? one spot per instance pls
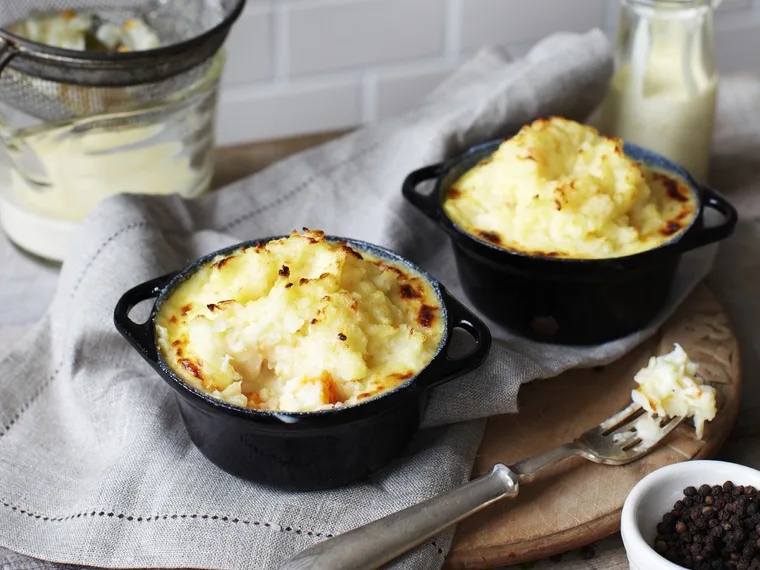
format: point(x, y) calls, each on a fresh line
point(305, 450)
point(566, 300)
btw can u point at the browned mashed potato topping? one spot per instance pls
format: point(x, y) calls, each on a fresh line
point(560, 189)
point(299, 324)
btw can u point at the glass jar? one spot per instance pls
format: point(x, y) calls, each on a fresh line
point(663, 93)
point(58, 172)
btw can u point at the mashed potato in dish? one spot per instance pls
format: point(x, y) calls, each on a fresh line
point(560, 189)
point(299, 324)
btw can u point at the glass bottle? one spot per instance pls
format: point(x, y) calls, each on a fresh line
point(663, 93)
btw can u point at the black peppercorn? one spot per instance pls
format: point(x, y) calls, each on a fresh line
point(713, 528)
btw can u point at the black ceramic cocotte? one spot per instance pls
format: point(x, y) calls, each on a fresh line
point(305, 450)
point(563, 300)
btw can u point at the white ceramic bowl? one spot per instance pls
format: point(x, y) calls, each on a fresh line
point(654, 496)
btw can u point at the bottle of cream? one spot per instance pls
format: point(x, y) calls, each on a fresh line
point(663, 94)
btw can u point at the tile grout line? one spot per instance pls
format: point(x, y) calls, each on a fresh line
point(368, 97)
point(452, 29)
point(279, 42)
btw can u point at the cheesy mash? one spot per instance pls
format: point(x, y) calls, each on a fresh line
point(668, 387)
point(299, 324)
point(560, 189)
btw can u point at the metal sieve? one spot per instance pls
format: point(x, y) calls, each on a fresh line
point(55, 84)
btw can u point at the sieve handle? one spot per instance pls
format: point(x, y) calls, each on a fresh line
point(8, 51)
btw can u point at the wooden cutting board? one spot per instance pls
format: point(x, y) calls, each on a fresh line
point(578, 502)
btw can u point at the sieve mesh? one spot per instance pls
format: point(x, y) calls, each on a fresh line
point(53, 84)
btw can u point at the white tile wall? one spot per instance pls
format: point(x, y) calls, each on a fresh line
point(249, 47)
point(341, 34)
point(279, 110)
point(515, 21)
point(299, 66)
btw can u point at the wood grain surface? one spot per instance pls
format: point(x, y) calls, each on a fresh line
point(579, 502)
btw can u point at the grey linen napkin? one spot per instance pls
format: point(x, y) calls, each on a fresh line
point(95, 466)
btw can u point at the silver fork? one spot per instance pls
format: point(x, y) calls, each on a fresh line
point(613, 442)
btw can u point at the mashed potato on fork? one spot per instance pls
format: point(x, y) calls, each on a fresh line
point(299, 324)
